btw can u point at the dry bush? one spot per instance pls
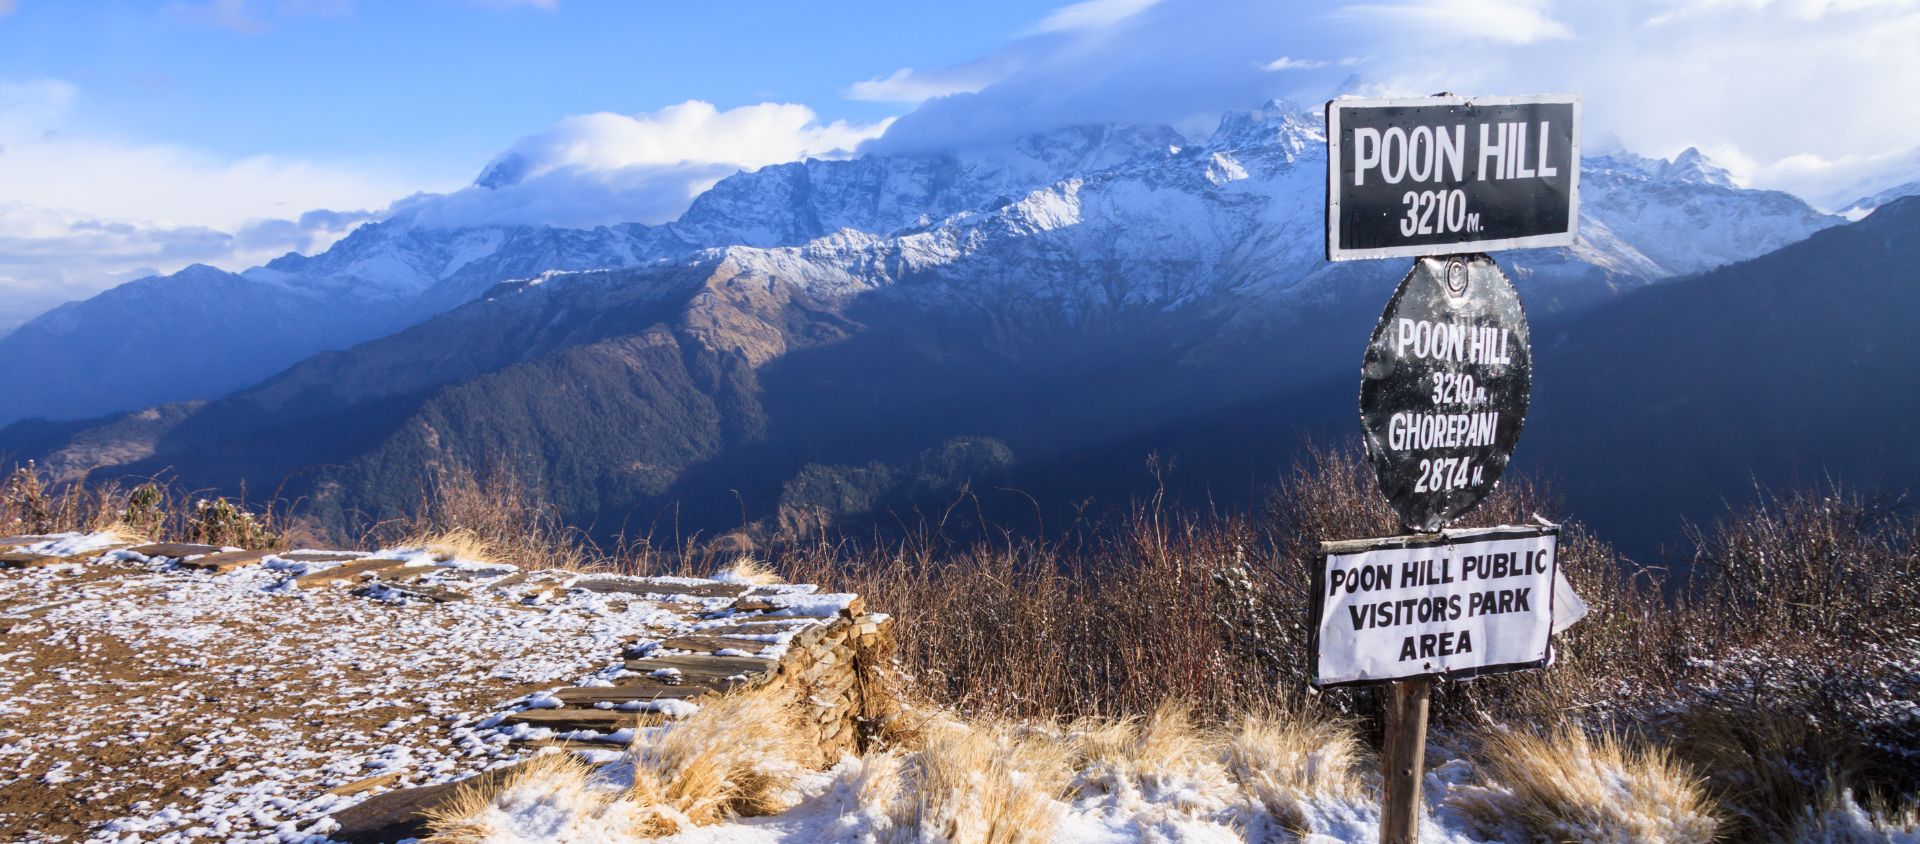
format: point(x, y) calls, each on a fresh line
point(1285, 762)
point(547, 798)
point(994, 783)
point(217, 521)
point(1148, 610)
point(494, 519)
point(31, 503)
point(738, 755)
point(1829, 562)
point(1774, 760)
point(1564, 786)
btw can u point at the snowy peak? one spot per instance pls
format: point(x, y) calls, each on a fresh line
point(1280, 124)
point(790, 204)
point(1691, 166)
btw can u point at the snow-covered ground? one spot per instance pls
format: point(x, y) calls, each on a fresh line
point(140, 701)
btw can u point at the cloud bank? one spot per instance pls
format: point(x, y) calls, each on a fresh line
point(602, 169)
point(81, 212)
point(1798, 95)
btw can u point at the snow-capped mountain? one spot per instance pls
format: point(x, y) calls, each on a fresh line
point(1865, 205)
point(1079, 220)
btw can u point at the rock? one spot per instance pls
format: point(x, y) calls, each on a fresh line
point(760, 628)
point(638, 586)
point(368, 784)
point(174, 550)
point(398, 815)
point(598, 720)
point(587, 696)
point(224, 563)
point(692, 666)
point(11, 542)
point(710, 644)
point(320, 556)
point(347, 573)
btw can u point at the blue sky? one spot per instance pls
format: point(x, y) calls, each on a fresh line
point(437, 87)
point(138, 137)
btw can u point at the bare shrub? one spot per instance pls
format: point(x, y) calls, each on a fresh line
point(495, 519)
point(217, 521)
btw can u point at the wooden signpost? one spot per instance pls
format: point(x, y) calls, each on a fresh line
point(1444, 391)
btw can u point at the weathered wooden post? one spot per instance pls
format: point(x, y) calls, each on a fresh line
point(1403, 760)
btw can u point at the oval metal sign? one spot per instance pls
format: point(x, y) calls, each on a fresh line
point(1444, 389)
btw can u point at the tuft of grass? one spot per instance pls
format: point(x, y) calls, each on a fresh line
point(551, 797)
point(739, 755)
point(1772, 765)
point(1841, 819)
point(1566, 786)
point(1165, 747)
point(1285, 762)
point(749, 570)
point(994, 783)
point(460, 543)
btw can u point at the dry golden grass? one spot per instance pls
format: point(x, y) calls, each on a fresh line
point(557, 783)
point(1842, 819)
point(738, 755)
point(747, 569)
point(1564, 786)
point(1162, 747)
point(995, 783)
point(1285, 761)
point(1768, 767)
point(460, 543)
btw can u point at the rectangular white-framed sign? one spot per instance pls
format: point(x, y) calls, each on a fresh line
point(1456, 604)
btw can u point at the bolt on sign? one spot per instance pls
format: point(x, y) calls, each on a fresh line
point(1456, 604)
point(1444, 388)
point(1441, 175)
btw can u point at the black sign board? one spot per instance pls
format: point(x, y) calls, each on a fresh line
point(1444, 175)
point(1444, 388)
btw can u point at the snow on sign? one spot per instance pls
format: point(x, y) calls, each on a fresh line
point(1444, 388)
point(1440, 175)
point(1455, 604)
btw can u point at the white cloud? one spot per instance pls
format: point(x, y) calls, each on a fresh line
point(906, 86)
point(1509, 21)
point(1801, 95)
point(599, 169)
point(7, 6)
point(50, 256)
point(1090, 14)
point(80, 212)
point(1289, 63)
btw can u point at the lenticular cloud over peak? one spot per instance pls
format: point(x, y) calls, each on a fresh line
point(605, 168)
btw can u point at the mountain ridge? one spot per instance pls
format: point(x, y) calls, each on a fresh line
point(201, 341)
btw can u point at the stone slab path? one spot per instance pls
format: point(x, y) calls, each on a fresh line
point(165, 692)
